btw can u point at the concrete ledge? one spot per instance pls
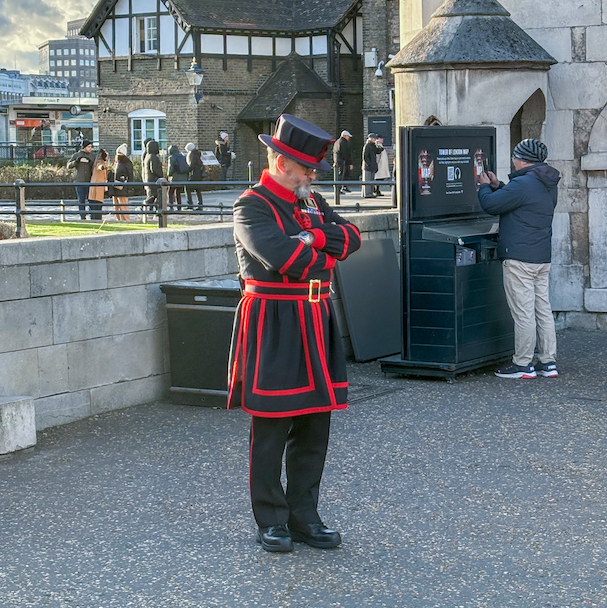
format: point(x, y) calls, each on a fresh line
point(17, 424)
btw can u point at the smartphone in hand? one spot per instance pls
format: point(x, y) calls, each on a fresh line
point(485, 166)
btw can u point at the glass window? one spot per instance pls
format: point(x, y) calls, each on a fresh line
point(74, 72)
point(82, 62)
point(52, 51)
point(148, 34)
point(59, 51)
point(52, 63)
point(142, 127)
point(59, 62)
point(60, 73)
point(92, 62)
point(73, 51)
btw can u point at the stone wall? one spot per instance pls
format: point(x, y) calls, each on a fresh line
point(82, 320)
point(575, 34)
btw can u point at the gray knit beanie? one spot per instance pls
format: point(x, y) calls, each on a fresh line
point(531, 151)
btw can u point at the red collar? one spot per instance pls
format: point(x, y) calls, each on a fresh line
point(275, 188)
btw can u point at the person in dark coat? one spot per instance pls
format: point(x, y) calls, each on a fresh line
point(287, 367)
point(526, 208)
point(82, 161)
point(123, 173)
point(197, 173)
point(153, 172)
point(342, 158)
point(178, 171)
point(223, 154)
point(369, 165)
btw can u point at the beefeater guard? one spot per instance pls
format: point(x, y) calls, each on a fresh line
point(287, 367)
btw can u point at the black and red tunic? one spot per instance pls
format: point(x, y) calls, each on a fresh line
point(286, 357)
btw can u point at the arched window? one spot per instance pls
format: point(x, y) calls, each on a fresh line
point(144, 124)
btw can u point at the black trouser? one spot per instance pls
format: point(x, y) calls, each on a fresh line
point(343, 172)
point(306, 438)
point(175, 193)
point(198, 190)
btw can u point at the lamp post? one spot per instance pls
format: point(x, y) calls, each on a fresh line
point(195, 75)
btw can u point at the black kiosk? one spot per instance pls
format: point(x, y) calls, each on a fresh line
point(455, 315)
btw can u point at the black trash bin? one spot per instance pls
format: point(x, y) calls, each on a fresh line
point(200, 316)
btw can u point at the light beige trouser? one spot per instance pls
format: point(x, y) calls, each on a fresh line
point(526, 287)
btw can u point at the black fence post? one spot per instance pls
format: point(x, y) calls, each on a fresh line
point(164, 203)
point(20, 208)
point(336, 187)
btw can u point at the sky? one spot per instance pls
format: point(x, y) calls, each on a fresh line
point(24, 24)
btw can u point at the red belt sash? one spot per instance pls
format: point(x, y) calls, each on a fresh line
point(313, 291)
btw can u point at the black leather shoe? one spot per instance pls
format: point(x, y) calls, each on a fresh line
point(275, 538)
point(315, 535)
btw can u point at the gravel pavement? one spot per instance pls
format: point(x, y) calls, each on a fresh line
point(480, 492)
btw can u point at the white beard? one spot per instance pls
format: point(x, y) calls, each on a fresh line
point(303, 191)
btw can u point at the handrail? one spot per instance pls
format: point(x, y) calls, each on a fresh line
point(159, 206)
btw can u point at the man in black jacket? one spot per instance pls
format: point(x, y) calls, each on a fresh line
point(526, 208)
point(342, 157)
point(82, 162)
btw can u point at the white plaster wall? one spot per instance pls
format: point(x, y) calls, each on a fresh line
point(166, 35)
point(122, 37)
point(106, 31)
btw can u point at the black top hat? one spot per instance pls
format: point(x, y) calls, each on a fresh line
point(300, 141)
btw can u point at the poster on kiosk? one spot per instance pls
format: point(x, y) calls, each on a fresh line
point(454, 310)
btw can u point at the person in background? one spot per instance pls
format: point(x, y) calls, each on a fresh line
point(177, 172)
point(123, 172)
point(342, 158)
point(287, 366)
point(197, 173)
point(97, 193)
point(82, 161)
point(383, 166)
point(153, 172)
point(223, 154)
point(526, 208)
point(369, 164)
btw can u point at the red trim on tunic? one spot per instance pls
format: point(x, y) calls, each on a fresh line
point(312, 410)
point(320, 238)
point(344, 253)
point(280, 286)
point(330, 263)
point(274, 187)
point(292, 259)
point(282, 392)
point(304, 274)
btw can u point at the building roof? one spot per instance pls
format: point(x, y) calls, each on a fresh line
point(471, 33)
point(292, 78)
point(287, 16)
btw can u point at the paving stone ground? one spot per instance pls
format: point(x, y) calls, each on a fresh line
point(483, 492)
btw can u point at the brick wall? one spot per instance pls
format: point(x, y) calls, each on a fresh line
point(155, 84)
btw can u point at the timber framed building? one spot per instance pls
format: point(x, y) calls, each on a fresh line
point(260, 59)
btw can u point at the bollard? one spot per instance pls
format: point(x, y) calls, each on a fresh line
point(250, 170)
point(62, 209)
point(221, 212)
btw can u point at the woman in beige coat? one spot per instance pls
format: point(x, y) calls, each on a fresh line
point(97, 193)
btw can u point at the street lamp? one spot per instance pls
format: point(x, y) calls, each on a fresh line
point(195, 75)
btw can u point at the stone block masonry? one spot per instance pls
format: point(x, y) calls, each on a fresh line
point(83, 326)
point(17, 424)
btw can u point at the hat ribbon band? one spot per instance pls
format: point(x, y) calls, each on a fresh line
point(296, 153)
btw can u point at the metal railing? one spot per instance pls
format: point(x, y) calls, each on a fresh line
point(158, 207)
point(23, 152)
